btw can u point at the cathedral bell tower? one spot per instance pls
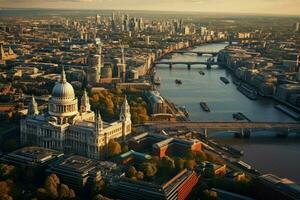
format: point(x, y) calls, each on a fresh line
point(125, 118)
point(85, 105)
point(98, 123)
point(33, 107)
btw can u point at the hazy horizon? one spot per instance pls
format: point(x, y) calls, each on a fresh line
point(273, 7)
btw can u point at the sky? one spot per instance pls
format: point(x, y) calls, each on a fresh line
point(290, 7)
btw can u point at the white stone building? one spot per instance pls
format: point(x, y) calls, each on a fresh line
point(64, 128)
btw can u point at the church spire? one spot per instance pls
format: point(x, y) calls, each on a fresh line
point(85, 103)
point(10, 51)
point(125, 110)
point(33, 107)
point(63, 78)
point(123, 54)
point(98, 121)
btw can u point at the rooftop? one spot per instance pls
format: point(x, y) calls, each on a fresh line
point(31, 156)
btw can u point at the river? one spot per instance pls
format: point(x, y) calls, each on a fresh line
point(263, 150)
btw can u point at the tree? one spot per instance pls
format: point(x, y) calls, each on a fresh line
point(189, 155)
point(131, 172)
point(155, 160)
point(166, 166)
point(65, 192)
point(149, 169)
point(139, 175)
point(7, 171)
point(125, 148)
point(100, 197)
point(51, 183)
point(42, 194)
point(190, 164)
point(98, 187)
point(200, 157)
point(4, 188)
point(114, 148)
point(210, 195)
point(53, 189)
point(179, 164)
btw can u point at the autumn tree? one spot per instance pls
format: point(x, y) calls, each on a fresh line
point(125, 148)
point(179, 164)
point(190, 164)
point(114, 148)
point(4, 191)
point(64, 192)
point(166, 166)
point(53, 189)
point(139, 175)
point(7, 171)
point(100, 197)
point(149, 169)
point(131, 172)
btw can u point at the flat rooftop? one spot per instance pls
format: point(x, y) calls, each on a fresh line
point(31, 156)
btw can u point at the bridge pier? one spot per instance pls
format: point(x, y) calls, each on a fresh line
point(206, 132)
point(189, 66)
point(170, 66)
point(244, 133)
point(199, 54)
point(208, 66)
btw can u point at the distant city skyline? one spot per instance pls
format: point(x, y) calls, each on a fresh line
point(284, 7)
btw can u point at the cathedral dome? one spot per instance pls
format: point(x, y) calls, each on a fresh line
point(63, 89)
point(63, 102)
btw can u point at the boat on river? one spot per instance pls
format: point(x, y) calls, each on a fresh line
point(204, 106)
point(201, 73)
point(224, 80)
point(157, 81)
point(178, 81)
point(248, 91)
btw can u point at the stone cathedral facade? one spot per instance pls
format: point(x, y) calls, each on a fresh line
point(64, 128)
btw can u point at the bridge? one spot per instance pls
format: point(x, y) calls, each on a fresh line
point(199, 53)
point(187, 63)
point(224, 125)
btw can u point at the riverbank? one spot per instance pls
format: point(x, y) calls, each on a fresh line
point(263, 151)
